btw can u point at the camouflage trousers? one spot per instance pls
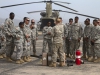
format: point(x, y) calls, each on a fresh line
point(97, 49)
point(26, 48)
point(67, 46)
point(49, 42)
point(57, 50)
point(9, 48)
point(33, 44)
point(19, 49)
point(3, 48)
point(74, 45)
point(87, 48)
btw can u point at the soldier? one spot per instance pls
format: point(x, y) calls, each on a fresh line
point(57, 33)
point(65, 33)
point(27, 40)
point(47, 37)
point(9, 29)
point(19, 40)
point(86, 39)
point(95, 40)
point(34, 37)
point(2, 42)
point(69, 25)
point(33, 22)
point(75, 37)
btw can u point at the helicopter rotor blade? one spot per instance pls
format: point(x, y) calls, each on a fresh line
point(35, 11)
point(62, 2)
point(78, 14)
point(21, 4)
point(64, 6)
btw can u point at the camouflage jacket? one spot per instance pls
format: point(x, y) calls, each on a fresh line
point(45, 32)
point(34, 33)
point(27, 31)
point(19, 35)
point(87, 31)
point(58, 33)
point(9, 29)
point(75, 31)
point(95, 34)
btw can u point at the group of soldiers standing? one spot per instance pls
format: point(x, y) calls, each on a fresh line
point(60, 39)
point(67, 38)
point(22, 37)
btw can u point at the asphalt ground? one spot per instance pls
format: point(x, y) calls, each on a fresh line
point(35, 66)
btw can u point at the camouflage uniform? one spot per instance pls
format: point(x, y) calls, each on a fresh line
point(96, 36)
point(68, 40)
point(19, 40)
point(9, 29)
point(27, 41)
point(33, 40)
point(2, 42)
point(47, 39)
point(65, 35)
point(75, 33)
point(58, 33)
point(86, 42)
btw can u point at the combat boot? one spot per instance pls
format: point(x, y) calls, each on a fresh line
point(84, 56)
point(9, 59)
point(18, 61)
point(4, 55)
point(24, 58)
point(21, 60)
point(62, 64)
point(1, 57)
point(90, 59)
point(53, 64)
point(97, 60)
point(28, 59)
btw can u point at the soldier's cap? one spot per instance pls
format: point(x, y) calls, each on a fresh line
point(87, 19)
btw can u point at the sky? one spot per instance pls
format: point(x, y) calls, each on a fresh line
point(88, 7)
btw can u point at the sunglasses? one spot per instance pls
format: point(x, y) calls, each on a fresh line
point(32, 22)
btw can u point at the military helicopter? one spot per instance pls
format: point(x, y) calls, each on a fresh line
point(50, 14)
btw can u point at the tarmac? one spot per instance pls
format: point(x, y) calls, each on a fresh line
point(35, 66)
